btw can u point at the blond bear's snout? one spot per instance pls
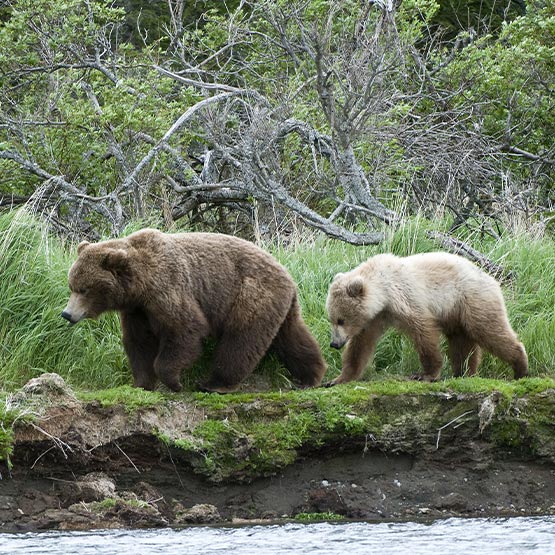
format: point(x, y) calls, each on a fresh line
point(338, 337)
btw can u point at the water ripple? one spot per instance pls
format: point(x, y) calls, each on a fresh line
point(450, 537)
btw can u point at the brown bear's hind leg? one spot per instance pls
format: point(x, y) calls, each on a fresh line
point(520, 362)
point(248, 333)
point(298, 350)
point(493, 332)
point(464, 354)
point(506, 347)
point(236, 356)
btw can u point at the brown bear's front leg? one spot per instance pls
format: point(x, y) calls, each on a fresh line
point(141, 347)
point(358, 351)
point(176, 354)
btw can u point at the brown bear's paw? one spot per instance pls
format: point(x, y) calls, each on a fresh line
point(211, 388)
point(336, 381)
point(173, 385)
point(297, 385)
point(424, 378)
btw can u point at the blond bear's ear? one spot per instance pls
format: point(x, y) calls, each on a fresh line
point(82, 246)
point(356, 288)
point(337, 276)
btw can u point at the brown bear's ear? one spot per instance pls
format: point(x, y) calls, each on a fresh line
point(81, 246)
point(355, 288)
point(115, 261)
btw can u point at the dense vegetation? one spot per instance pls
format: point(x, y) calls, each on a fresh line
point(370, 121)
point(257, 117)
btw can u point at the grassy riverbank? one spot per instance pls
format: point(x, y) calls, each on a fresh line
point(33, 288)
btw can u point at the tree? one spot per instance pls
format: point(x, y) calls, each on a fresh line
point(339, 114)
point(510, 82)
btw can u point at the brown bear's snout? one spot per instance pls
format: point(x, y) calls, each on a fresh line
point(67, 316)
point(338, 337)
point(75, 309)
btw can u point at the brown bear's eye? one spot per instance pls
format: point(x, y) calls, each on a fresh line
point(340, 322)
point(82, 291)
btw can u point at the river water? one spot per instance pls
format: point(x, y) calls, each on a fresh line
point(452, 536)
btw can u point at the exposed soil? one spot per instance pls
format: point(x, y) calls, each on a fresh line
point(82, 466)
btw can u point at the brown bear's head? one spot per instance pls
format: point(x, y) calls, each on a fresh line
point(352, 302)
point(98, 280)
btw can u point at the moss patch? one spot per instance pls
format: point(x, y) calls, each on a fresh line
point(244, 436)
point(248, 435)
point(132, 398)
point(8, 417)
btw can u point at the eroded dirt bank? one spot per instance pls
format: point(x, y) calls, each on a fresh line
point(79, 464)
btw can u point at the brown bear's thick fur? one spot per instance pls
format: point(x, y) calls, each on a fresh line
point(174, 290)
point(423, 296)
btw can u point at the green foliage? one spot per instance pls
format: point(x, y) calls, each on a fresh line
point(482, 16)
point(75, 109)
point(506, 78)
point(80, 95)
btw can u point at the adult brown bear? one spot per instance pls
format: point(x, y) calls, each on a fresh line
point(423, 296)
point(174, 290)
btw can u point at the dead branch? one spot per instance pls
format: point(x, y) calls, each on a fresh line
point(457, 246)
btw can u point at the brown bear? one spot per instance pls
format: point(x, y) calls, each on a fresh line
point(174, 290)
point(423, 296)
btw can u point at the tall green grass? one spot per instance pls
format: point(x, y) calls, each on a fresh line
point(35, 339)
point(33, 291)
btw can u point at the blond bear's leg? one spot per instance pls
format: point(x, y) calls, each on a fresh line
point(358, 352)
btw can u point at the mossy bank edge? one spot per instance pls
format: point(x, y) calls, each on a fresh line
point(371, 450)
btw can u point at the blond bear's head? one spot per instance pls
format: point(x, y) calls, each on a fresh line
point(353, 301)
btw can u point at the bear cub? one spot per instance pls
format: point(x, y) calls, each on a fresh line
point(174, 290)
point(423, 296)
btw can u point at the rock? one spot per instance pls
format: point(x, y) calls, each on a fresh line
point(453, 502)
point(92, 487)
point(148, 493)
point(50, 384)
point(324, 500)
point(203, 513)
point(119, 511)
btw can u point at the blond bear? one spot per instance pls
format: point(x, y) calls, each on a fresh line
point(423, 296)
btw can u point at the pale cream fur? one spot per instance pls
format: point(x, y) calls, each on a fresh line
point(423, 295)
